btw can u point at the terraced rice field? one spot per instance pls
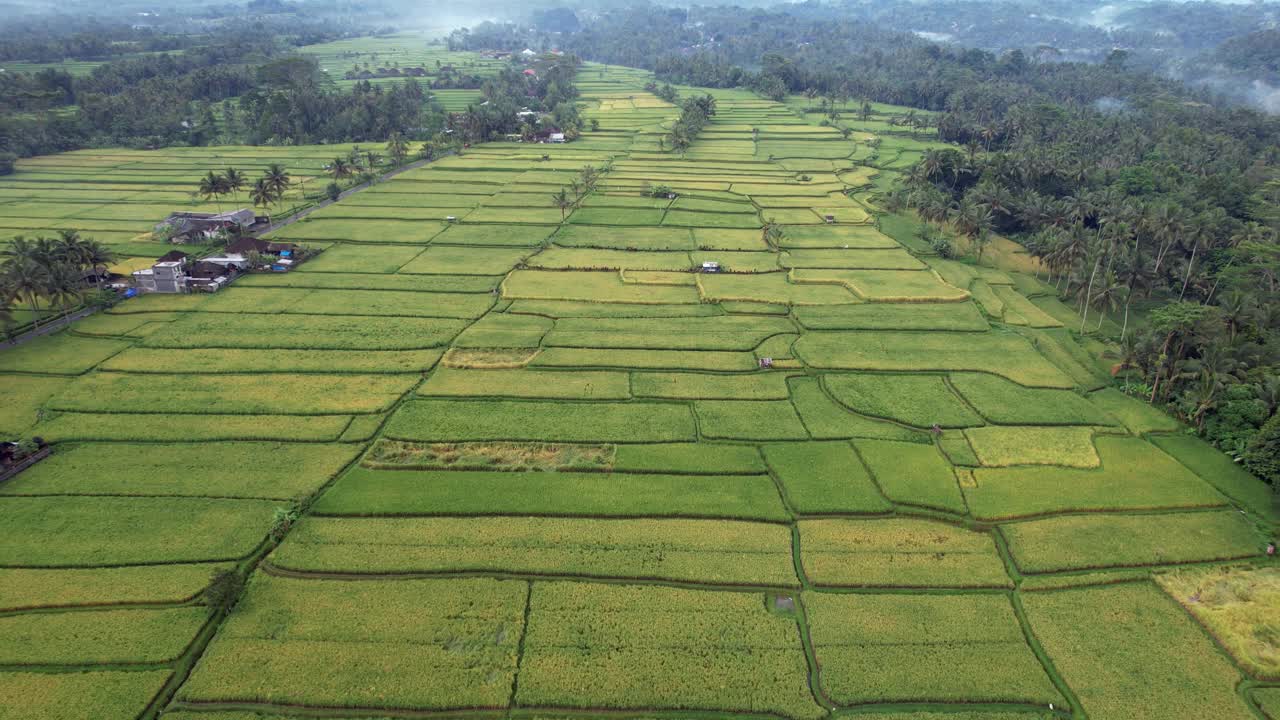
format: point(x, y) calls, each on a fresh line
point(540, 469)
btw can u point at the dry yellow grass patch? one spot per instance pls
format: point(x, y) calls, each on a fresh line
point(489, 358)
point(1240, 606)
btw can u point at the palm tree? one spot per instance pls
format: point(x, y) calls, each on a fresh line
point(340, 168)
point(262, 195)
point(212, 186)
point(235, 182)
point(397, 149)
point(278, 179)
point(772, 233)
point(562, 200)
point(372, 159)
point(1133, 273)
point(98, 255)
point(1107, 297)
point(27, 277)
point(64, 286)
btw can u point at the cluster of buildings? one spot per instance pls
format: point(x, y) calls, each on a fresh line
point(178, 272)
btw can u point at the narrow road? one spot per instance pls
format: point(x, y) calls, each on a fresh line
point(51, 326)
point(347, 193)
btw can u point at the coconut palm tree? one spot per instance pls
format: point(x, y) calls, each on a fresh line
point(340, 168)
point(235, 182)
point(278, 179)
point(262, 195)
point(26, 278)
point(64, 286)
point(564, 201)
point(397, 149)
point(212, 186)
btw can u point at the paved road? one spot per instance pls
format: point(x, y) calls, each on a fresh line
point(346, 193)
point(52, 326)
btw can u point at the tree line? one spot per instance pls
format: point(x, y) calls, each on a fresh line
point(49, 274)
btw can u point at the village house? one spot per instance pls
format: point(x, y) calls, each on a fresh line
point(184, 227)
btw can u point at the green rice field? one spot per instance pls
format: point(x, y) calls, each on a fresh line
point(526, 466)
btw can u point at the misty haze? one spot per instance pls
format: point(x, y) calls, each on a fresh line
point(565, 360)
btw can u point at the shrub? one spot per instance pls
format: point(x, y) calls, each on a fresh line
point(1263, 455)
point(333, 191)
point(7, 162)
point(224, 590)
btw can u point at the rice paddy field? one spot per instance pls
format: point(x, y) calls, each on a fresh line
point(520, 465)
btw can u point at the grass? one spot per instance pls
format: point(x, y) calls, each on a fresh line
point(718, 333)
point(936, 352)
point(603, 287)
point(121, 531)
point(245, 470)
point(1218, 470)
point(365, 492)
point(207, 361)
point(919, 400)
point(512, 235)
point(886, 285)
point(958, 317)
point(304, 332)
point(562, 258)
point(636, 645)
point(1134, 414)
point(459, 420)
point(568, 384)
point(770, 288)
point(78, 695)
point(59, 354)
point(180, 428)
point(258, 394)
point(705, 386)
point(1129, 652)
point(1134, 476)
point(625, 238)
point(898, 552)
point(1005, 402)
point(689, 458)
point(30, 588)
point(105, 637)
point(462, 260)
point(316, 643)
point(824, 477)
point(702, 551)
point(825, 419)
point(363, 259)
point(912, 474)
point(24, 396)
point(645, 359)
point(749, 420)
point(1238, 606)
point(918, 648)
point(1086, 542)
point(1008, 446)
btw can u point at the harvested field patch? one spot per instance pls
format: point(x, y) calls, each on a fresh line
point(397, 454)
point(1238, 605)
